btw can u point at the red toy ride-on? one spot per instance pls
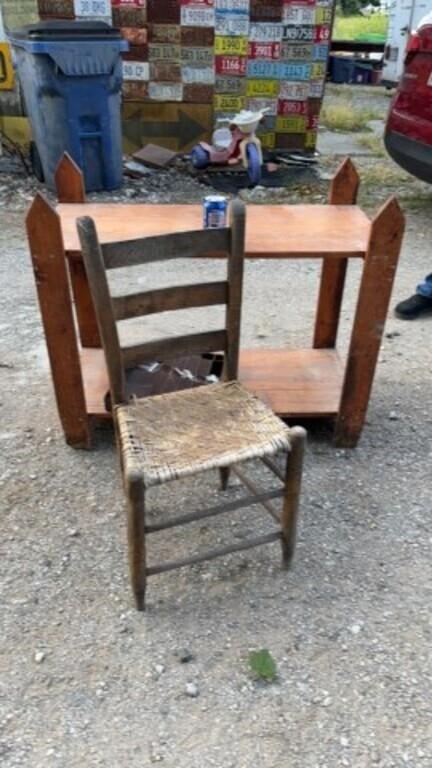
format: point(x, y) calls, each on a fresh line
point(233, 144)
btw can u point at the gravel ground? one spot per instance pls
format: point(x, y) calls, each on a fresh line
point(87, 681)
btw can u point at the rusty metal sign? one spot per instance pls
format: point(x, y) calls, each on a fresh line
point(197, 36)
point(62, 9)
point(164, 52)
point(165, 33)
point(271, 10)
point(200, 56)
point(198, 93)
point(163, 11)
point(165, 72)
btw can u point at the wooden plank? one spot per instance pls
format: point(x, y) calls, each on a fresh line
point(343, 191)
point(174, 245)
point(297, 383)
point(163, 349)
point(69, 181)
point(235, 293)
point(272, 231)
point(49, 264)
point(168, 299)
point(100, 291)
point(373, 302)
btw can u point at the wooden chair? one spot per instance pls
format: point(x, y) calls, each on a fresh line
point(169, 436)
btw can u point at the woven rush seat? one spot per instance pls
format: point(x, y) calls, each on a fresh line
point(171, 436)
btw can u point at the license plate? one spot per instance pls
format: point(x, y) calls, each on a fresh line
point(320, 52)
point(256, 105)
point(201, 75)
point(197, 16)
point(232, 6)
point(265, 70)
point(322, 33)
point(136, 70)
point(202, 56)
point(264, 88)
point(298, 14)
point(294, 33)
point(226, 103)
point(264, 50)
point(294, 91)
point(231, 25)
point(293, 71)
point(233, 85)
point(231, 46)
point(316, 89)
point(92, 7)
point(231, 65)
point(166, 91)
point(290, 125)
point(265, 33)
point(296, 52)
point(164, 52)
point(287, 108)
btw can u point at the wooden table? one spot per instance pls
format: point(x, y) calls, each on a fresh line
point(297, 383)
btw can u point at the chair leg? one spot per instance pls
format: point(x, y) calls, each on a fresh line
point(293, 478)
point(225, 476)
point(136, 537)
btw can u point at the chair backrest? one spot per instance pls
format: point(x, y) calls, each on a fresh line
point(228, 242)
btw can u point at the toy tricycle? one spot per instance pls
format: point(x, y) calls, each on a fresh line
point(232, 144)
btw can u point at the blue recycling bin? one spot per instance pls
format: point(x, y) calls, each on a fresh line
point(71, 77)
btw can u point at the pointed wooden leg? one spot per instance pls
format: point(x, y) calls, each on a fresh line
point(343, 191)
point(374, 297)
point(293, 480)
point(70, 187)
point(136, 537)
point(224, 476)
point(49, 265)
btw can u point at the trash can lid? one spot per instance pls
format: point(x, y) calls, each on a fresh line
point(66, 30)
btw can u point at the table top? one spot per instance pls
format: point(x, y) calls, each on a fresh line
point(272, 231)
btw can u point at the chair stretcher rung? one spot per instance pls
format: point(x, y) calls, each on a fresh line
point(233, 506)
point(211, 554)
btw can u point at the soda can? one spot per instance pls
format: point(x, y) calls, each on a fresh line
point(215, 211)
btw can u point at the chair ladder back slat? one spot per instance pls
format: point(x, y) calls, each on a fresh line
point(99, 287)
point(169, 299)
point(215, 242)
point(163, 349)
point(235, 288)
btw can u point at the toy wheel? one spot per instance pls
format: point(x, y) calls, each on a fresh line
point(36, 163)
point(254, 164)
point(200, 157)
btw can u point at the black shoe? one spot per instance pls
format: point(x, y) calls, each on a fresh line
point(413, 307)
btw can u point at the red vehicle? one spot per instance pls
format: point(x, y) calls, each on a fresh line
point(408, 136)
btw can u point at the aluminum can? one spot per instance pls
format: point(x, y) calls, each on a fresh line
point(215, 211)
